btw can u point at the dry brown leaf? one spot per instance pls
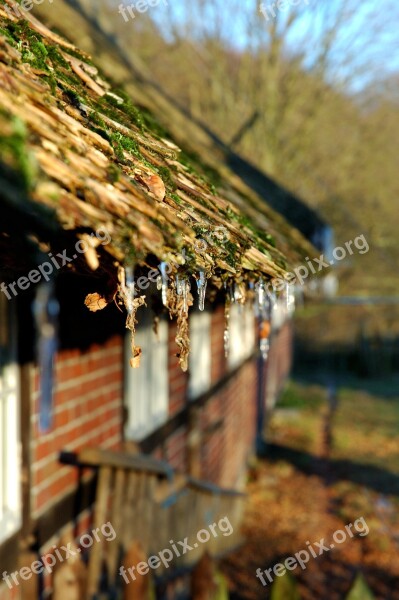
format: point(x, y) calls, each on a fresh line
point(135, 360)
point(95, 302)
point(154, 184)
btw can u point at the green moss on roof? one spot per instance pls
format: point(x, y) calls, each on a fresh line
point(124, 112)
point(100, 150)
point(15, 152)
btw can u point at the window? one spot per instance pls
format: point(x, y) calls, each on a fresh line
point(242, 334)
point(10, 511)
point(200, 353)
point(147, 388)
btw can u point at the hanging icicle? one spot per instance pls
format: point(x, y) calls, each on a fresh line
point(127, 292)
point(201, 285)
point(162, 282)
point(290, 299)
point(264, 306)
point(130, 287)
point(231, 295)
point(260, 295)
point(46, 309)
point(264, 347)
point(183, 289)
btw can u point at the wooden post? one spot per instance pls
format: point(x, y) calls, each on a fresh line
point(100, 517)
point(117, 524)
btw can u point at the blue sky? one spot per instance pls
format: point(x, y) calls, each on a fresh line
point(376, 51)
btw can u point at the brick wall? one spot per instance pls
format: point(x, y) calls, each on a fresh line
point(176, 449)
point(228, 420)
point(227, 447)
point(87, 411)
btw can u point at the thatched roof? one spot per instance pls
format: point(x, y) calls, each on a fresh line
point(77, 156)
point(84, 151)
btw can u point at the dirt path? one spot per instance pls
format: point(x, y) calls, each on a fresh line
point(297, 495)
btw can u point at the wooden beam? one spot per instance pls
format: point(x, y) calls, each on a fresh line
point(97, 457)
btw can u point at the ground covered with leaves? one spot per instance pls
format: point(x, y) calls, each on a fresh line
point(322, 470)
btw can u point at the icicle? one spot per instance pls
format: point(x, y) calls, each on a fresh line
point(163, 283)
point(272, 304)
point(126, 291)
point(265, 302)
point(186, 291)
point(183, 289)
point(264, 347)
point(46, 310)
point(231, 293)
point(201, 285)
point(259, 298)
point(290, 299)
point(130, 287)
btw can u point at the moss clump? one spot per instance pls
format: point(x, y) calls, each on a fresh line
point(192, 161)
point(166, 176)
point(125, 113)
point(122, 142)
point(4, 31)
point(259, 234)
point(267, 237)
point(42, 56)
point(19, 30)
point(33, 49)
point(14, 150)
point(176, 198)
point(76, 54)
point(68, 78)
point(52, 82)
point(126, 142)
point(113, 173)
point(56, 57)
point(36, 54)
point(95, 118)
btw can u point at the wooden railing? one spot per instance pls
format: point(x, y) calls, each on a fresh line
point(147, 501)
